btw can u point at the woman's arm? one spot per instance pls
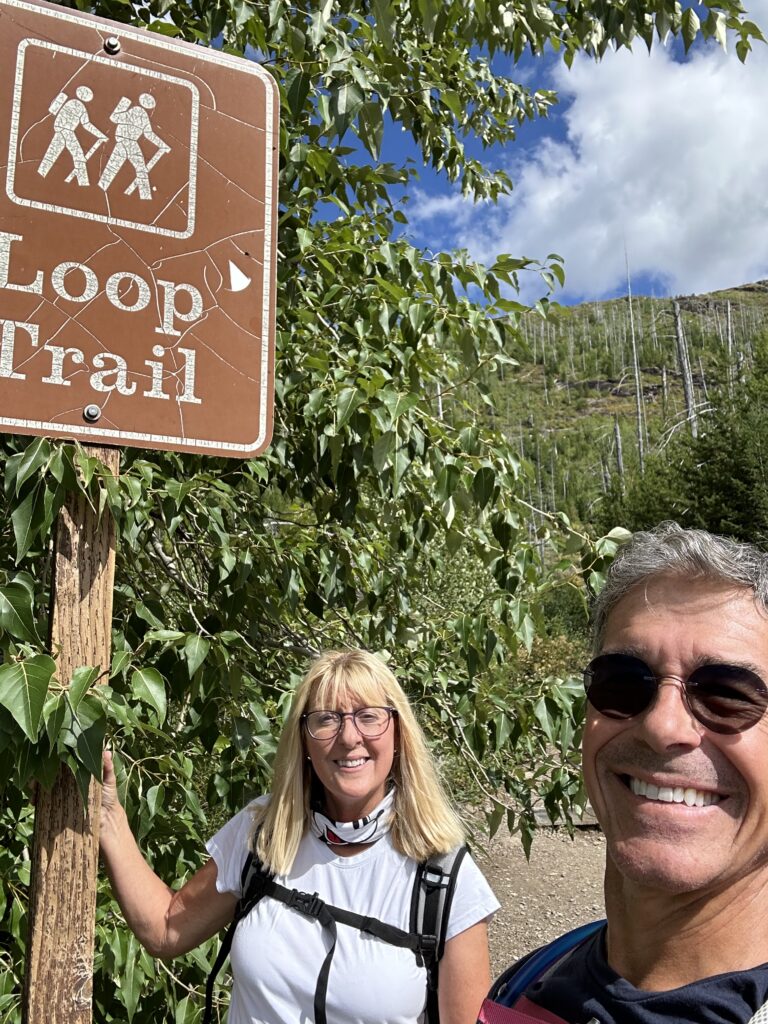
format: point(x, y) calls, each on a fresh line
point(167, 923)
point(465, 976)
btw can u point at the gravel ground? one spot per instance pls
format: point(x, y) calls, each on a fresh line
point(559, 888)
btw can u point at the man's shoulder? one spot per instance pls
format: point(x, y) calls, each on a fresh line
point(540, 963)
point(581, 986)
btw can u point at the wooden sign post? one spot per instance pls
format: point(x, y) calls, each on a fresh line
point(137, 307)
point(59, 974)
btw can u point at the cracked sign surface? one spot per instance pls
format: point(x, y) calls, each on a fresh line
point(138, 194)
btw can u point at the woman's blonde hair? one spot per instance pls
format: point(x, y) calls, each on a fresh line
point(424, 823)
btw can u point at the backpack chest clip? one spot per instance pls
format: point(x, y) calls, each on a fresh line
point(311, 905)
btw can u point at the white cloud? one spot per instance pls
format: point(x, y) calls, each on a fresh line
point(668, 158)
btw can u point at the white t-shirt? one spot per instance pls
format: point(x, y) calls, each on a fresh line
point(277, 952)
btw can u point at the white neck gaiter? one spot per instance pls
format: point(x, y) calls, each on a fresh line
point(364, 830)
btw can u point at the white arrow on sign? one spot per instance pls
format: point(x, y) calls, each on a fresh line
point(238, 281)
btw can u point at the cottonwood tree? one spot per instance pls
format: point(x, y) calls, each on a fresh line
point(382, 515)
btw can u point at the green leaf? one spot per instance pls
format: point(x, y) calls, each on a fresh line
point(55, 714)
point(346, 101)
point(120, 660)
point(398, 403)
point(148, 686)
point(131, 978)
point(620, 534)
point(690, 27)
point(503, 729)
point(164, 636)
point(17, 612)
point(494, 818)
point(35, 455)
point(83, 679)
point(371, 127)
point(483, 485)
point(297, 84)
point(23, 689)
point(196, 651)
point(92, 723)
point(717, 25)
point(383, 14)
point(27, 519)
point(155, 795)
point(348, 401)
point(242, 734)
point(543, 717)
point(148, 615)
point(527, 631)
point(382, 449)
point(186, 1011)
point(454, 541)
point(179, 490)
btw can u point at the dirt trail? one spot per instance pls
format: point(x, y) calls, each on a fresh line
point(561, 887)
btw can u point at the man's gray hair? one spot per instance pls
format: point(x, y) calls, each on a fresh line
point(668, 549)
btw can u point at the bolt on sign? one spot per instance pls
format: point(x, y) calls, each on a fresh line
point(138, 190)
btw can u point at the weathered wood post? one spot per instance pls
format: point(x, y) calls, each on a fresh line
point(59, 969)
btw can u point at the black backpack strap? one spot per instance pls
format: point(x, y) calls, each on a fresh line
point(252, 887)
point(312, 906)
point(430, 907)
point(433, 890)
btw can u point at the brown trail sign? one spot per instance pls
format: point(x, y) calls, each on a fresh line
point(138, 182)
point(138, 196)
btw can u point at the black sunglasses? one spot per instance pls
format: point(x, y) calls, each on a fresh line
point(724, 698)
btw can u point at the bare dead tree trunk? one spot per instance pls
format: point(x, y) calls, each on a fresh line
point(729, 345)
point(606, 474)
point(685, 370)
point(703, 379)
point(553, 471)
point(638, 383)
point(619, 448)
point(654, 335)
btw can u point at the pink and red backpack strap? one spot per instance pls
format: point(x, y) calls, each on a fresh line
point(523, 1012)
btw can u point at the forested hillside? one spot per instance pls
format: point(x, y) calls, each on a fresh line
point(617, 407)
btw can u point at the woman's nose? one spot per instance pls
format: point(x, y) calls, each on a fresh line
point(348, 732)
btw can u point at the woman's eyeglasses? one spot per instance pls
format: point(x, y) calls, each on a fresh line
point(724, 698)
point(369, 722)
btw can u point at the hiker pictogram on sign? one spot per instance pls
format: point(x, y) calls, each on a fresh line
point(104, 141)
point(133, 124)
point(71, 114)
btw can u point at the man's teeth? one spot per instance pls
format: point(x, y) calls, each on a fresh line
point(352, 764)
point(673, 794)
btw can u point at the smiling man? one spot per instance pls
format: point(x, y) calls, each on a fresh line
point(675, 760)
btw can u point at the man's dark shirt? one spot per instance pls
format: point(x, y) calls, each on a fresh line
point(583, 986)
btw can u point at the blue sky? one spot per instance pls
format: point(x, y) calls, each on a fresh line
point(659, 157)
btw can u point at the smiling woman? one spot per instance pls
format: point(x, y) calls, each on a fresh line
point(352, 753)
point(355, 813)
